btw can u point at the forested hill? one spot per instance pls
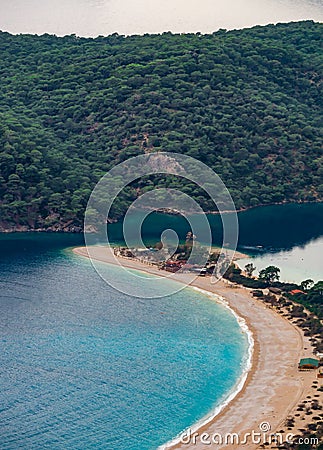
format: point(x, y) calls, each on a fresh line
point(246, 102)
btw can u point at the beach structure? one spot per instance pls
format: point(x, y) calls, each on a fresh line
point(172, 266)
point(175, 265)
point(198, 270)
point(308, 364)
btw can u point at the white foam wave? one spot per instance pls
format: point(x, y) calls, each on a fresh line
point(238, 386)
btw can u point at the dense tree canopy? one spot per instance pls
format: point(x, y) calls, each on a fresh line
point(246, 102)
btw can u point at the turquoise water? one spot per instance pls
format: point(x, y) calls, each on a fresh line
point(85, 367)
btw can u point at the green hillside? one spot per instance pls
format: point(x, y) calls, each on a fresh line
point(247, 102)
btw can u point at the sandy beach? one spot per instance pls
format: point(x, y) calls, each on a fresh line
point(273, 387)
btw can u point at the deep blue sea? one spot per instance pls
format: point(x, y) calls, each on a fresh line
point(85, 367)
point(289, 236)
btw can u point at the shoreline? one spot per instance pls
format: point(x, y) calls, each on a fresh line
point(270, 391)
point(240, 383)
point(77, 228)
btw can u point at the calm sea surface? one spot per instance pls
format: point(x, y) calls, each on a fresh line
point(95, 17)
point(288, 236)
point(85, 367)
point(291, 237)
